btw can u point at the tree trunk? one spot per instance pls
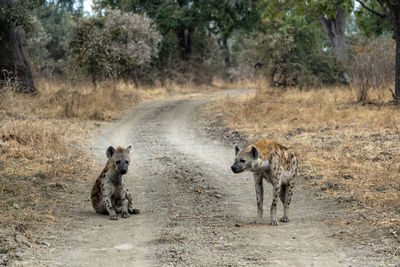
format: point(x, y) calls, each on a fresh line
point(335, 28)
point(14, 63)
point(225, 49)
point(185, 42)
point(394, 15)
point(397, 73)
point(185, 36)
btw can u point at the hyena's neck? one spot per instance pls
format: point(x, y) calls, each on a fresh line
point(115, 177)
point(261, 165)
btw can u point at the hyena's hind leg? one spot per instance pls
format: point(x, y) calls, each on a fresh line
point(131, 210)
point(286, 197)
point(275, 195)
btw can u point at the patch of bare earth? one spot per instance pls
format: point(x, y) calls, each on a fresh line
point(349, 154)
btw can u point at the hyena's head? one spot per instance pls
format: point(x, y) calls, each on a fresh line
point(245, 160)
point(118, 158)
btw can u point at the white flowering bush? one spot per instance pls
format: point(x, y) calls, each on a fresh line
point(133, 37)
point(116, 44)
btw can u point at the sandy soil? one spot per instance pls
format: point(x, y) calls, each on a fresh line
point(194, 210)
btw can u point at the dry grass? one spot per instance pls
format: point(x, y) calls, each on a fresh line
point(42, 165)
point(40, 168)
point(347, 150)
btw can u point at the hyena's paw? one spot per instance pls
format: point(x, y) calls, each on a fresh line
point(257, 221)
point(274, 223)
point(133, 211)
point(284, 219)
point(113, 217)
point(125, 215)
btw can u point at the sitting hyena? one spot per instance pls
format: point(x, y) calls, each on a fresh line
point(109, 193)
point(271, 161)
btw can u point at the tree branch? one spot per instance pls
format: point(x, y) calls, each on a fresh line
point(384, 7)
point(381, 15)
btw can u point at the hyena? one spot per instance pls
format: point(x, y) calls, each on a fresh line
point(110, 194)
point(275, 163)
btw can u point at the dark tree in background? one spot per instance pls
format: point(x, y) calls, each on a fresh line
point(332, 14)
point(335, 28)
point(14, 62)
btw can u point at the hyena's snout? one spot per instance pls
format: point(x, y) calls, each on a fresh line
point(236, 168)
point(233, 168)
point(123, 168)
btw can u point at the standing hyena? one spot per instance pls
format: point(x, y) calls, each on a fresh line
point(275, 163)
point(109, 193)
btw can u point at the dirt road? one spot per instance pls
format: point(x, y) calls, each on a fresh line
point(194, 210)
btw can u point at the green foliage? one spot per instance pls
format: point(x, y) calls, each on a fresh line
point(48, 41)
point(188, 27)
point(114, 45)
point(69, 6)
point(17, 13)
point(327, 8)
point(291, 52)
point(369, 24)
point(37, 41)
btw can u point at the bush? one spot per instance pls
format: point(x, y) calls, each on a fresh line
point(114, 45)
point(289, 54)
point(48, 38)
point(372, 67)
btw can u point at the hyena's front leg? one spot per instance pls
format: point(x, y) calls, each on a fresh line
point(131, 210)
point(125, 213)
point(288, 198)
point(108, 205)
point(275, 195)
point(258, 180)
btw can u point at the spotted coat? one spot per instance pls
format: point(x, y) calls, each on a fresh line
point(110, 194)
point(273, 162)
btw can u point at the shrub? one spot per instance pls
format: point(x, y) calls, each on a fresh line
point(372, 67)
point(289, 54)
point(114, 45)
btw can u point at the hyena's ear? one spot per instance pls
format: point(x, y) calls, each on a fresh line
point(237, 149)
point(128, 149)
point(254, 152)
point(110, 151)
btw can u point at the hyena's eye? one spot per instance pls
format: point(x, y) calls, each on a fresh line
point(242, 160)
point(118, 162)
point(127, 162)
